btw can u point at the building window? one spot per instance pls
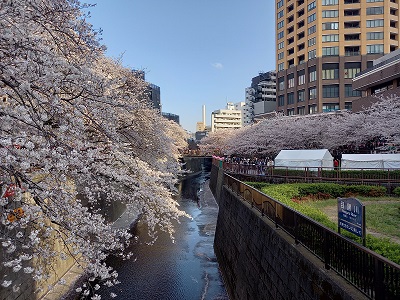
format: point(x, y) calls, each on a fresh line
point(279, 4)
point(352, 24)
point(281, 45)
point(312, 41)
point(301, 77)
point(280, 55)
point(330, 51)
point(349, 92)
point(301, 96)
point(290, 79)
point(281, 24)
point(352, 50)
point(329, 2)
point(352, 37)
point(330, 13)
point(312, 54)
point(371, 1)
point(290, 112)
point(290, 98)
point(281, 34)
point(312, 29)
point(281, 100)
point(312, 109)
point(327, 107)
point(375, 23)
point(374, 49)
point(311, 6)
point(301, 110)
point(312, 93)
point(330, 71)
point(330, 91)
point(281, 83)
point(330, 38)
point(375, 10)
point(311, 18)
point(301, 59)
point(351, 12)
point(374, 35)
point(330, 25)
point(280, 14)
point(348, 105)
point(281, 66)
point(351, 69)
point(312, 73)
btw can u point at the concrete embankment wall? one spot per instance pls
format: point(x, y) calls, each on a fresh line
point(258, 261)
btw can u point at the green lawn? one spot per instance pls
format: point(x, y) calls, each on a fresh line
point(382, 214)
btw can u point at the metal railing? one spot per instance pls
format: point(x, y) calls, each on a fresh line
point(363, 176)
point(372, 274)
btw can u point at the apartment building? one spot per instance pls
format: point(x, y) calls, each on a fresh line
point(229, 118)
point(322, 44)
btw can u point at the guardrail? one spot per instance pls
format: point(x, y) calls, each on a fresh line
point(363, 176)
point(372, 274)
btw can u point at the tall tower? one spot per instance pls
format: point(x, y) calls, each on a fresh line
point(322, 44)
point(204, 116)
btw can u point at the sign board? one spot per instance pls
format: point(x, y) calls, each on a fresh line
point(351, 216)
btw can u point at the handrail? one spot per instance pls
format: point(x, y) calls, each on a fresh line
point(371, 273)
point(363, 175)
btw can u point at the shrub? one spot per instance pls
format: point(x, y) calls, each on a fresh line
point(341, 190)
point(396, 191)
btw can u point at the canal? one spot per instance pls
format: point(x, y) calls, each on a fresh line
point(184, 269)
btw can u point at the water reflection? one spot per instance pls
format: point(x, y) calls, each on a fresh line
point(186, 269)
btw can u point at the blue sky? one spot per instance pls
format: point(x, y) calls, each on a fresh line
point(199, 52)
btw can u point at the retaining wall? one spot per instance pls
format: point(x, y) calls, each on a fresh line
point(259, 261)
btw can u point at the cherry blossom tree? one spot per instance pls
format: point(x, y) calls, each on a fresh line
point(332, 131)
point(74, 125)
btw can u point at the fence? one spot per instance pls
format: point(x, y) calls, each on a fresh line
point(372, 274)
point(362, 176)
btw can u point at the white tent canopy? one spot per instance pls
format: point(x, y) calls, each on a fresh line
point(370, 161)
point(304, 158)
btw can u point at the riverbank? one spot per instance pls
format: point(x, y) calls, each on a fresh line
point(75, 275)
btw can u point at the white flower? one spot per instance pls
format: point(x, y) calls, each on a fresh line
point(6, 283)
point(6, 243)
point(28, 270)
point(96, 297)
point(19, 234)
point(113, 295)
point(78, 290)
point(17, 268)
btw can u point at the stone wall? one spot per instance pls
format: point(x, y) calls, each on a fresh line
point(258, 261)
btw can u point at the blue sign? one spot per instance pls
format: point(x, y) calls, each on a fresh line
point(350, 215)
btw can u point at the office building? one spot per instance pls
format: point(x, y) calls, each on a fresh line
point(260, 97)
point(322, 44)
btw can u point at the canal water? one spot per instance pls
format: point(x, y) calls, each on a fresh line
point(185, 269)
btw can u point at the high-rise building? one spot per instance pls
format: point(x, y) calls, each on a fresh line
point(260, 96)
point(322, 44)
